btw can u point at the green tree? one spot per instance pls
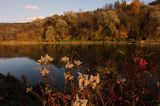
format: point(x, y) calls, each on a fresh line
point(111, 21)
point(153, 24)
point(50, 34)
point(61, 29)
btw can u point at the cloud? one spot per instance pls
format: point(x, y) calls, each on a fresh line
point(129, 2)
point(34, 18)
point(32, 7)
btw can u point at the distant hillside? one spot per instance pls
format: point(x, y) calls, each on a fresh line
point(118, 21)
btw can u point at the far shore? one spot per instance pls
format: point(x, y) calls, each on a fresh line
point(76, 42)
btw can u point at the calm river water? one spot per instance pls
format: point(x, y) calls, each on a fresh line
point(21, 60)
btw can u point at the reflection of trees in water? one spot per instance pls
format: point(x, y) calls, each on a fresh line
point(30, 51)
point(88, 54)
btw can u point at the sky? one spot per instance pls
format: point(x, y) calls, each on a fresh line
point(27, 10)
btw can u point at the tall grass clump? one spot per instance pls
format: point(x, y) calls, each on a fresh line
point(138, 83)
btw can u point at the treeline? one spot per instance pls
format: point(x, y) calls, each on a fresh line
point(118, 21)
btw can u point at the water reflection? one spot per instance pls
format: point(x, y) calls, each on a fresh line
point(19, 66)
point(21, 60)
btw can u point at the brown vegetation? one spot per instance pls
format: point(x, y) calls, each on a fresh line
point(118, 21)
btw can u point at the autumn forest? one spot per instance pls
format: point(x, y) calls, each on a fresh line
point(120, 21)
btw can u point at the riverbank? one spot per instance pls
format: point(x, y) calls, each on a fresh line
point(13, 92)
point(77, 42)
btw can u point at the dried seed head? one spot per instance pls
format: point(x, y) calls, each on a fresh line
point(44, 71)
point(29, 89)
point(77, 63)
point(65, 59)
point(80, 102)
point(45, 60)
point(69, 65)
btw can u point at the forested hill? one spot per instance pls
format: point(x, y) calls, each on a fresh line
point(118, 21)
